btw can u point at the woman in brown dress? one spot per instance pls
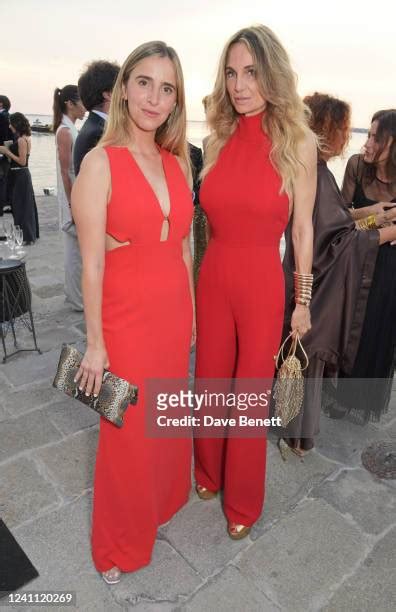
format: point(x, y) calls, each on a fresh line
point(343, 267)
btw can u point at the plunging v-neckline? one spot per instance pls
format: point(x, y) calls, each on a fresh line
point(166, 217)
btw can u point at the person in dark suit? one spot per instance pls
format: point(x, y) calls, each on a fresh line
point(199, 218)
point(196, 164)
point(5, 134)
point(94, 86)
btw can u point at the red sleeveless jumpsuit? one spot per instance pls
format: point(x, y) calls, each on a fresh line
point(147, 321)
point(240, 303)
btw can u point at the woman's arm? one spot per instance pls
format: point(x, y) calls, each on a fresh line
point(89, 206)
point(64, 143)
point(379, 209)
point(22, 152)
point(304, 191)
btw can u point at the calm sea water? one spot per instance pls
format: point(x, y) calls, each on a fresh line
point(43, 165)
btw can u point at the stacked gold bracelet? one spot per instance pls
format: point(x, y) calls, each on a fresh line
point(367, 223)
point(303, 288)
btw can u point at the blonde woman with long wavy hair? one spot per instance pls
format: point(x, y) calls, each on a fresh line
point(260, 167)
point(132, 206)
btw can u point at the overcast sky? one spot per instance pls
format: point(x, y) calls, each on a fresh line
point(343, 47)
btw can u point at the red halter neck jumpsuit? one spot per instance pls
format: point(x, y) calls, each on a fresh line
point(240, 303)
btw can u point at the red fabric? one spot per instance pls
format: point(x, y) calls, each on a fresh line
point(240, 303)
point(147, 320)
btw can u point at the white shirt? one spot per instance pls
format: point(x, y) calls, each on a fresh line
point(64, 208)
point(101, 114)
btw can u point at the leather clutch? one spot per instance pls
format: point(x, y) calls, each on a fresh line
point(115, 394)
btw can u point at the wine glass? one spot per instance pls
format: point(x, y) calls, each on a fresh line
point(4, 226)
point(12, 244)
point(18, 237)
point(8, 228)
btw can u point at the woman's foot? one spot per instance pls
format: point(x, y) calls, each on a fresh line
point(204, 493)
point(285, 448)
point(112, 576)
point(237, 532)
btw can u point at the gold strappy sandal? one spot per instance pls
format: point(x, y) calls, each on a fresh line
point(237, 532)
point(285, 449)
point(204, 493)
point(112, 576)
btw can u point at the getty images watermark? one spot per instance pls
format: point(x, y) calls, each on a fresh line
point(213, 408)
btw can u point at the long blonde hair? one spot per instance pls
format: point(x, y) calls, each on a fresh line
point(171, 135)
point(286, 116)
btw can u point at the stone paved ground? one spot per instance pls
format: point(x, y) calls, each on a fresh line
point(326, 540)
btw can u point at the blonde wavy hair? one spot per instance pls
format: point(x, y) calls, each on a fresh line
point(286, 116)
point(171, 135)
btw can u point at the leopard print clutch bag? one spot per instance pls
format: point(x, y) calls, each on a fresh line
point(115, 394)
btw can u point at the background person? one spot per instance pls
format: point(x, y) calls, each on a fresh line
point(5, 135)
point(370, 186)
point(23, 202)
point(94, 86)
point(68, 108)
point(343, 267)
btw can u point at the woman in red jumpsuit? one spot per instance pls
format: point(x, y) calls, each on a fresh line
point(260, 164)
point(133, 208)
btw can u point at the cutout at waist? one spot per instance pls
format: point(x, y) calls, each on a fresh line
point(112, 243)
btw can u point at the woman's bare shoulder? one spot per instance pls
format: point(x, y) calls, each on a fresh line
point(308, 145)
point(63, 136)
point(95, 160)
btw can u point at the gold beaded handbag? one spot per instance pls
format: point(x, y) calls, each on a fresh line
point(289, 386)
point(115, 394)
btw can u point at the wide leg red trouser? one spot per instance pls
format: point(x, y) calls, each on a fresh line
point(240, 308)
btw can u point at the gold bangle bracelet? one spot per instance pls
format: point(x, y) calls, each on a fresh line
point(367, 223)
point(371, 222)
point(303, 276)
point(303, 288)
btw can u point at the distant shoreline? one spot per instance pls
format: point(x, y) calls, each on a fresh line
point(356, 130)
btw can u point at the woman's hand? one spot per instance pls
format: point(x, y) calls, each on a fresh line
point(380, 206)
point(301, 320)
point(90, 373)
point(3, 150)
point(385, 217)
point(385, 212)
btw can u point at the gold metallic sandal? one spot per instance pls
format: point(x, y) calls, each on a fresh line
point(237, 532)
point(112, 576)
point(285, 449)
point(204, 493)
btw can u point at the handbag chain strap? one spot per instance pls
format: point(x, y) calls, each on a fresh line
point(292, 350)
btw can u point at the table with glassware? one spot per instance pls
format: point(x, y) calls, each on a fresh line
point(12, 246)
point(15, 293)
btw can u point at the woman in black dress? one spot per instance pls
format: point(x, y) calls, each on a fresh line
point(23, 203)
point(370, 187)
